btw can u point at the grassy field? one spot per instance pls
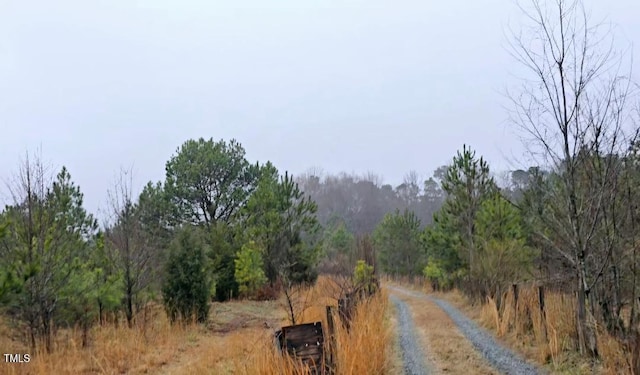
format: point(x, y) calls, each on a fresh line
point(238, 339)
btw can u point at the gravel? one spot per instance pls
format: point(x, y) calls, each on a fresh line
point(412, 354)
point(498, 356)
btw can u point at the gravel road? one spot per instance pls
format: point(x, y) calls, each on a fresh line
point(412, 354)
point(498, 356)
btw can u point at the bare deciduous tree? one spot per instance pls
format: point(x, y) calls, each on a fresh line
point(574, 113)
point(131, 250)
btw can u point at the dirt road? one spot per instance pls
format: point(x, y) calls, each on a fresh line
point(449, 341)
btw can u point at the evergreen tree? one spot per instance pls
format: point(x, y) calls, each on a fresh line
point(186, 289)
point(503, 256)
point(48, 239)
point(442, 243)
point(397, 242)
point(467, 183)
point(282, 220)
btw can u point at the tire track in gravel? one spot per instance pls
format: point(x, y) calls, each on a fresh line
point(412, 354)
point(501, 358)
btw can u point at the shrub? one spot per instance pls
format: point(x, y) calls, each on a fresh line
point(364, 276)
point(186, 287)
point(249, 272)
point(436, 275)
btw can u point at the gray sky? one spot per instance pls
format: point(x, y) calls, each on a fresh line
point(356, 86)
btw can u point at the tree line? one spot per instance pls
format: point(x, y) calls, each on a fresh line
point(216, 228)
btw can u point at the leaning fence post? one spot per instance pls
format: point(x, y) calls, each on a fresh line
point(330, 323)
point(515, 305)
point(541, 299)
point(543, 313)
point(332, 337)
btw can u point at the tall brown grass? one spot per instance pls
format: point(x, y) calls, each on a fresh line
point(550, 337)
point(363, 349)
point(111, 349)
point(241, 341)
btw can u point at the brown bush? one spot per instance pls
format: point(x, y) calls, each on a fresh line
point(268, 292)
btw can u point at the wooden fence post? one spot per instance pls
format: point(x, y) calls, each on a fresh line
point(330, 323)
point(514, 286)
point(541, 299)
point(543, 313)
point(332, 339)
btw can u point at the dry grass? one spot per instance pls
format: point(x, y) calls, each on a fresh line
point(237, 340)
point(112, 350)
point(158, 347)
point(396, 365)
point(364, 349)
point(549, 338)
point(447, 350)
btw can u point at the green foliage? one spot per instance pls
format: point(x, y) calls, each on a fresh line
point(249, 268)
point(503, 257)
point(48, 236)
point(498, 219)
point(442, 240)
point(8, 284)
point(364, 276)
point(476, 232)
point(282, 221)
point(156, 214)
point(436, 274)
point(186, 288)
point(339, 241)
point(299, 263)
point(467, 184)
point(338, 254)
point(90, 292)
point(500, 254)
point(434, 271)
point(223, 244)
point(397, 241)
point(226, 286)
point(209, 181)
point(263, 212)
point(109, 280)
point(442, 244)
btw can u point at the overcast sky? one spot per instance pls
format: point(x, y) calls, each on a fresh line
point(356, 86)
